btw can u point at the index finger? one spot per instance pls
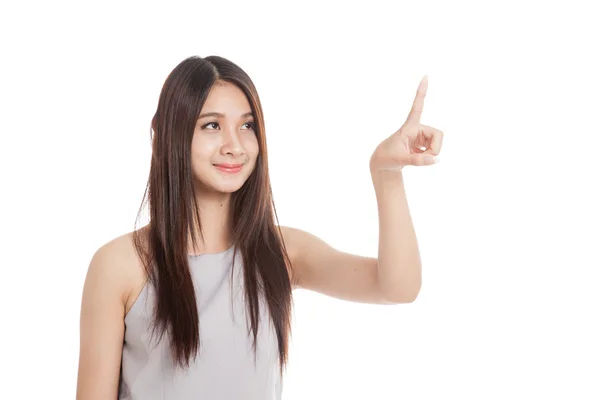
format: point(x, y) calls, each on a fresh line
point(417, 108)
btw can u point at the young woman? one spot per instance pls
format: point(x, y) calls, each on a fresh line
point(197, 303)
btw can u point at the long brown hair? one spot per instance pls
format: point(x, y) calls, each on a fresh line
point(163, 247)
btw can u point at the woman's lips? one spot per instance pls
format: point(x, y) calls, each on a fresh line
point(229, 168)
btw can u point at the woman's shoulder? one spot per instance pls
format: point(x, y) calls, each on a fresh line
point(296, 240)
point(292, 240)
point(118, 261)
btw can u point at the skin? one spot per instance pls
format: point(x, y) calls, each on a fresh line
point(116, 277)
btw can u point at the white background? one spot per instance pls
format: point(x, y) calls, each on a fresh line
point(507, 222)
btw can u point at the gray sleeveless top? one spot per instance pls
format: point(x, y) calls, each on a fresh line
point(225, 367)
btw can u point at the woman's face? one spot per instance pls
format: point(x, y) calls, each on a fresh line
point(224, 145)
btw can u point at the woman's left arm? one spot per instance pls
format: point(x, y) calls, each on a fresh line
point(395, 275)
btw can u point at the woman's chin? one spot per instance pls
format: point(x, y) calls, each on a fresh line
point(220, 184)
point(227, 187)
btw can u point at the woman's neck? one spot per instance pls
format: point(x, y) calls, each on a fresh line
point(216, 225)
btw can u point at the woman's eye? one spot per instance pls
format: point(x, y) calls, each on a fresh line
point(250, 125)
point(209, 124)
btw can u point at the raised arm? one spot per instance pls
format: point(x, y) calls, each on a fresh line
point(395, 275)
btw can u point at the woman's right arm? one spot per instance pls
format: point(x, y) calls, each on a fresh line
point(102, 328)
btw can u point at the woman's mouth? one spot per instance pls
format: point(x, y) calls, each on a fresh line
point(229, 168)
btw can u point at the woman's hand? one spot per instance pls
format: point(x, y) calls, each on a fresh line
point(413, 144)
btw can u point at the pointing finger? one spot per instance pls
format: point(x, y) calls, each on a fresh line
point(417, 108)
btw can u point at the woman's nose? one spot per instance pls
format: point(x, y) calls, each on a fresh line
point(232, 144)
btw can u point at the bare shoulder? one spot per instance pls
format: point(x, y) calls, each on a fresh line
point(114, 277)
point(288, 239)
point(297, 239)
point(117, 261)
point(296, 242)
point(291, 248)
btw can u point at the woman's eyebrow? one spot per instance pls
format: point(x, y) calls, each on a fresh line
point(220, 115)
